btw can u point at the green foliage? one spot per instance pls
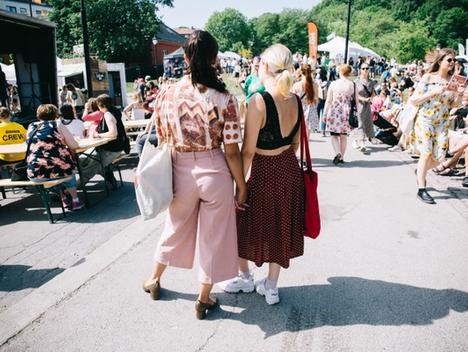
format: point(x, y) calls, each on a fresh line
point(413, 41)
point(293, 30)
point(230, 27)
point(118, 30)
point(450, 27)
point(265, 29)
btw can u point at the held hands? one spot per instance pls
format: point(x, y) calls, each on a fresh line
point(241, 198)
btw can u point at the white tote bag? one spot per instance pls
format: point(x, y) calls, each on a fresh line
point(407, 117)
point(153, 179)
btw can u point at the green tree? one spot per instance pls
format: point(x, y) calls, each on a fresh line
point(451, 27)
point(293, 30)
point(123, 36)
point(265, 29)
point(230, 27)
point(412, 41)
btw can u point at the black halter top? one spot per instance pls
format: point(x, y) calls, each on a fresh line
point(270, 136)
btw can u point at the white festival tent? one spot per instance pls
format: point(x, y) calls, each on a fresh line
point(229, 55)
point(337, 45)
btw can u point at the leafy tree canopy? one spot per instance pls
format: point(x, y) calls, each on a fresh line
point(230, 27)
point(118, 30)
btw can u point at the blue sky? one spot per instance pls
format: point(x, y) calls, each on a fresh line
point(196, 12)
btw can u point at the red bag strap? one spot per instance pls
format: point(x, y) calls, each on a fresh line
point(304, 139)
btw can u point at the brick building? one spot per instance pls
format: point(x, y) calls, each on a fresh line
point(165, 41)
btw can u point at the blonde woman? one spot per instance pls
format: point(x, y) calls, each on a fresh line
point(271, 229)
point(337, 110)
point(432, 121)
point(135, 110)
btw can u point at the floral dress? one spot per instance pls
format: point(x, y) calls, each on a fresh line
point(432, 123)
point(49, 156)
point(338, 108)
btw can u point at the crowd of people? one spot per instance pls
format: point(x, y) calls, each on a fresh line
point(202, 121)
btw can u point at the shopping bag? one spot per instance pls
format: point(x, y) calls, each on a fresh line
point(153, 179)
point(407, 117)
point(312, 211)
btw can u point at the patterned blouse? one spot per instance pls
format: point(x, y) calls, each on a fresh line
point(49, 156)
point(197, 121)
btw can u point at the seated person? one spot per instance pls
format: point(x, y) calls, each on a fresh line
point(10, 133)
point(143, 136)
point(458, 143)
point(51, 154)
point(111, 126)
point(136, 109)
point(75, 126)
point(93, 115)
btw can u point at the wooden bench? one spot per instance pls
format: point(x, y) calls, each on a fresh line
point(43, 190)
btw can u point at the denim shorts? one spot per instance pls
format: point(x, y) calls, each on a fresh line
point(67, 184)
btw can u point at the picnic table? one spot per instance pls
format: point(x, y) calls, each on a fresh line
point(129, 124)
point(84, 145)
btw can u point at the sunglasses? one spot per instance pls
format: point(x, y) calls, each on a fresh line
point(450, 60)
point(364, 68)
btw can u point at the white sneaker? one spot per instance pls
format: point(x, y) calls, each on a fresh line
point(238, 284)
point(395, 148)
point(271, 295)
point(355, 145)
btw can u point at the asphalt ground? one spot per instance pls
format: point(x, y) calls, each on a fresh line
point(388, 273)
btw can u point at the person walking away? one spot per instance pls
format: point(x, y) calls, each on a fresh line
point(337, 110)
point(322, 96)
point(76, 98)
point(199, 116)
point(271, 229)
point(432, 120)
point(10, 133)
point(366, 92)
point(51, 155)
point(306, 89)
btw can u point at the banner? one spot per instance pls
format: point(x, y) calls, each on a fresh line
point(313, 40)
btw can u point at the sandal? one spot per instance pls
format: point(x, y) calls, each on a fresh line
point(448, 172)
point(439, 168)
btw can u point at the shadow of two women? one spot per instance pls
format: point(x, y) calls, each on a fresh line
point(343, 301)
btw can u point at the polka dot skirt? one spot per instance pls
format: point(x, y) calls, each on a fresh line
point(271, 229)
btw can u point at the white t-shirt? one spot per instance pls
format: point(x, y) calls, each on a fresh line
point(75, 126)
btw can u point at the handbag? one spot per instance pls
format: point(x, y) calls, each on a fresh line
point(153, 178)
point(353, 119)
point(407, 117)
point(312, 212)
point(20, 170)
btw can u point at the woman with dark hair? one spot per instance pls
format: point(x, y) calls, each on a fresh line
point(322, 84)
point(110, 126)
point(75, 126)
point(365, 91)
point(306, 89)
point(198, 116)
point(434, 102)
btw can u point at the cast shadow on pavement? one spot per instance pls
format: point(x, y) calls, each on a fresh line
point(449, 193)
point(366, 164)
point(119, 205)
point(19, 277)
point(344, 301)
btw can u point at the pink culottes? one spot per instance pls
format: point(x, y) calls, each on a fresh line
point(203, 204)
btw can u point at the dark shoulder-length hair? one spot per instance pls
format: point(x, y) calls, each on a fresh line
point(201, 50)
point(438, 57)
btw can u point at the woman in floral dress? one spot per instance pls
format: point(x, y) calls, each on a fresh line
point(432, 121)
point(337, 110)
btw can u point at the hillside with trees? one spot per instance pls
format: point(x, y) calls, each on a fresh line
point(403, 29)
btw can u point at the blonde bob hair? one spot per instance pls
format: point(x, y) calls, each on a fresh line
point(280, 65)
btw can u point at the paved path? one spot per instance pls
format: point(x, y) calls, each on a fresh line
point(388, 273)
